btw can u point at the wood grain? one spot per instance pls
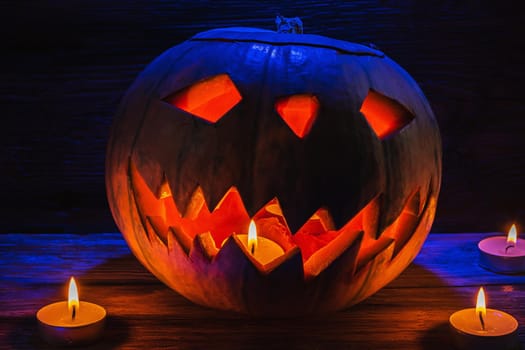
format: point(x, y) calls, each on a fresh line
point(410, 313)
point(65, 65)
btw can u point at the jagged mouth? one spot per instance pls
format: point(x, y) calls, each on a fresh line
point(318, 240)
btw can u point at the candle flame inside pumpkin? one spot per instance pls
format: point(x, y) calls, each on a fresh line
point(72, 297)
point(252, 237)
point(480, 303)
point(512, 236)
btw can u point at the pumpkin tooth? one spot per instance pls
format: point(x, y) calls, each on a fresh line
point(178, 240)
point(391, 208)
point(370, 219)
point(371, 249)
point(325, 256)
point(156, 228)
point(371, 272)
point(231, 193)
point(342, 269)
point(159, 203)
point(232, 204)
point(213, 196)
point(425, 195)
point(203, 247)
point(404, 226)
point(384, 218)
point(290, 257)
point(153, 183)
point(164, 190)
point(196, 205)
point(173, 245)
point(367, 218)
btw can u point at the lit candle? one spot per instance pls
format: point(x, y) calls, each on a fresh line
point(503, 254)
point(263, 249)
point(482, 328)
point(71, 322)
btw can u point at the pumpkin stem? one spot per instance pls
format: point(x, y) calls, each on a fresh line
point(292, 25)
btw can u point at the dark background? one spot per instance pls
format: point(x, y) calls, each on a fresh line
point(65, 65)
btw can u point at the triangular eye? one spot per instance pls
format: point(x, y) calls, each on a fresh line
point(208, 99)
point(385, 115)
point(299, 112)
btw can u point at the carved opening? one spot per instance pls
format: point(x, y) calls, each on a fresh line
point(299, 112)
point(208, 99)
point(385, 115)
point(317, 239)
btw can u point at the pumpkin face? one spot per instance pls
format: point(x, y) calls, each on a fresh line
point(330, 147)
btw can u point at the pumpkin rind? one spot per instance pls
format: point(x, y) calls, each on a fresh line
point(383, 190)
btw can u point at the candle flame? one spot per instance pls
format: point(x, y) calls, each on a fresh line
point(252, 237)
point(512, 236)
point(72, 297)
point(480, 303)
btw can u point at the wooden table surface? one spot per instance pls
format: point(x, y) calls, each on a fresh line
point(410, 313)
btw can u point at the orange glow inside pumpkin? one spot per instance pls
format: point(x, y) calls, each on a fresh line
point(299, 112)
point(208, 99)
point(318, 239)
point(384, 115)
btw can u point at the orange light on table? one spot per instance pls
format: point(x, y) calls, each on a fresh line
point(482, 328)
point(263, 249)
point(503, 254)
point(71, 322)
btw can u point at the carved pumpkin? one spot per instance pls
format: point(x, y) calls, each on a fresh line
point(329, 146)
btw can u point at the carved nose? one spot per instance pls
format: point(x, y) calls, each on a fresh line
point(299, 112)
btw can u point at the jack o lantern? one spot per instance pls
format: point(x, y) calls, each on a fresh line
point(328, 146)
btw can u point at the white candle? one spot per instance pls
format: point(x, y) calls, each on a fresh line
point(503, 254)
point(482, 328)
point(71, 322)
point(263, 249)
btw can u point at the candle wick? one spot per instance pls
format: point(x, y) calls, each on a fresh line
point(508, 247)
point(482, 321)
point(74, 312)
point(253, 249)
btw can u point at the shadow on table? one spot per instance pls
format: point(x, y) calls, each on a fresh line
point(401, 315)
point(437, 337)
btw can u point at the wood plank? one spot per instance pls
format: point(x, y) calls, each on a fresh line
point(155, 316)
point(410, 313)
